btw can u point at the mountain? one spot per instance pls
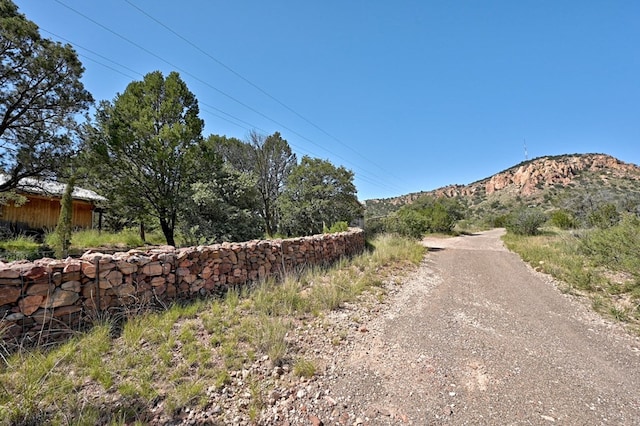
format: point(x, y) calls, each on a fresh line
point(548, 182)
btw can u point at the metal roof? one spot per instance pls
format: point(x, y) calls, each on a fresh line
point(53, 189)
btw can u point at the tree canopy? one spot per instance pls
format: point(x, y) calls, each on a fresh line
point(222, 208)
point(274, 161)
point(40, 96)
point(146, 145)
point(317, 195)
point(144, 151)
point(269, 159)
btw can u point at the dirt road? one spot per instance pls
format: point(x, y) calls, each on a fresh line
point(477, 337)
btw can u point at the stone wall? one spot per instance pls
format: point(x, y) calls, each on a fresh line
point(45, 299)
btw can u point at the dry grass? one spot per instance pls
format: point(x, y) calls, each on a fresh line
point(615, 293)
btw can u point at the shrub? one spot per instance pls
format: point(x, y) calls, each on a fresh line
point(563, 219)
point(605, 216)
point(500, 221)
point(617, 247)
point(337, 227)
point(374, 226)
point(426, 214)
point(408, 223)
point(526, 222)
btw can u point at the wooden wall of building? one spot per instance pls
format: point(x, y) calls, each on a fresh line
point(43, 213)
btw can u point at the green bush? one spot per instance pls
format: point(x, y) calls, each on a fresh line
point(563, 219)
point(616, 247)
point(408, 223)
point(337, 227)
point(526, 222)
point(500, 221)
point(374, 226)
point(426, 214)
point(605, 216)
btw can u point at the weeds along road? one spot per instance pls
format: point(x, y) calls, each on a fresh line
point(477, 337)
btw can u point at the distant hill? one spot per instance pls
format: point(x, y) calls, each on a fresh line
point(548, 182)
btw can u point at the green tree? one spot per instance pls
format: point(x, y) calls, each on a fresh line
point(317, 194)
point(146, 147)
point(269, 159)
point(442, 213)
point(273, 161)
point(223, 208)
point(40, 96)
point(62, 233)
point(233, 151)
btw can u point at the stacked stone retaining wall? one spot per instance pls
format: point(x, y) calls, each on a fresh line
point(47, 298)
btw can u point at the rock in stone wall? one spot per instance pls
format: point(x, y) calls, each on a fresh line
point(46, 298)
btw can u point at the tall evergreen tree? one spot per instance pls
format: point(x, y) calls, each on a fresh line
point(146, 147)
point(40, 97)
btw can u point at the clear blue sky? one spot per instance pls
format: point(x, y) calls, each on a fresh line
point(410, 95)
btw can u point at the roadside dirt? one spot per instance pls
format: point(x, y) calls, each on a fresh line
point(474, 336)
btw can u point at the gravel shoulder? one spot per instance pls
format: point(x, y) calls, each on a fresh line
point(473, 336)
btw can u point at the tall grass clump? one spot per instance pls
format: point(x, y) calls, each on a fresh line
point(20, 247)
point(270, 336)
point(556, 254)
point(125, 239)
point(304, 368)
point(284, 298)
point(386, 248)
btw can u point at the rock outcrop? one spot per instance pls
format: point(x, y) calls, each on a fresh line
point(546, 171)
point(527, 178)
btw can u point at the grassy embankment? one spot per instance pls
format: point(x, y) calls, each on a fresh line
point(601, 264)
point(26, 247)
point(173, 356)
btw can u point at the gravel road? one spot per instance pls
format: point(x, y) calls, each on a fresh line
point(477, 337)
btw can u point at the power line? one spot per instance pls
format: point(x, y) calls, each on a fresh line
point(95, 53)
point(144, 49)
point(252, 84)
point(373, 180)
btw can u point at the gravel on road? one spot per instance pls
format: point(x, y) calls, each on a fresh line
point(474, 336)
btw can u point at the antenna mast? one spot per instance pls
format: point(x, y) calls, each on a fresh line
point(526, 153)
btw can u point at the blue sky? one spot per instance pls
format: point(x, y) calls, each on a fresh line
point(410, 95)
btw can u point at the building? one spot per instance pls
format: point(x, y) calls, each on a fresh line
point(42, 208)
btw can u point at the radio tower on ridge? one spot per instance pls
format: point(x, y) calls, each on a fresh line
point(526, 153)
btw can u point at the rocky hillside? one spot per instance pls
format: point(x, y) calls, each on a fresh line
point(544, 180)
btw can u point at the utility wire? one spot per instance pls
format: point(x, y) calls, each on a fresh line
point(59, 37)
point(213, 114)
point(255, 86)
point(373, 180)
point(192, 75)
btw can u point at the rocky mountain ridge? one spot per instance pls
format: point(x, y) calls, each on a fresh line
point(526, 179)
